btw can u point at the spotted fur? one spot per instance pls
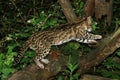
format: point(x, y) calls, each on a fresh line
point(42, 41)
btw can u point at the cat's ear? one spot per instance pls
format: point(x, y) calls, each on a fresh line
point(89, 19)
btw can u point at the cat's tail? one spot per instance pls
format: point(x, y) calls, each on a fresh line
point(20, 54)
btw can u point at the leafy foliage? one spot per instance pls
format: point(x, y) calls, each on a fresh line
point(6, 62)
point(111, 67)
point(43, 22)
point(69, 73)
point(7, 56)
point(78, 6)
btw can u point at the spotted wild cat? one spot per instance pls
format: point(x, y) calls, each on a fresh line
point(42, 41)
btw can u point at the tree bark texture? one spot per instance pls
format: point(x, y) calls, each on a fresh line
point(93, 77)
point(68, 10)
point(99, 8)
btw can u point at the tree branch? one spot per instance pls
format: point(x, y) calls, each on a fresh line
point(106, 48)
point(68, 10)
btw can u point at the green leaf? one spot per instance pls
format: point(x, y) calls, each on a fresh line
point(7, 71)
point(60, 78)
point(73, 46)
point(67, 71)
point(117, 65)
point(42, 15)
point(52, 22)
point(24, 35)
point(1, 65)
point(9, 60)
point(94, 25)
point(115, 76)
point(14, 54)
point(2, 56)
point(70, 66)
point(11, 47)
point(76, 76)
point(71, 78)
point(75, 67)
point(30, 54)
point(81, 5)
point(118, 52)
point(106, 73)
point(33, 22)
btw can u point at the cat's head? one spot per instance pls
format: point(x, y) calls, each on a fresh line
point(86, 24)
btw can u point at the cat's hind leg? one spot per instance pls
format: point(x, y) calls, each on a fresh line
point(40, 59)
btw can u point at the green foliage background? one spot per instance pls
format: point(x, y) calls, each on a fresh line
point(21, 18)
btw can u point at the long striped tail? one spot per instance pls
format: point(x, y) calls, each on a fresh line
point(20, 54)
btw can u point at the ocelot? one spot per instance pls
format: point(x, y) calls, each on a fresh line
point(42, 41)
